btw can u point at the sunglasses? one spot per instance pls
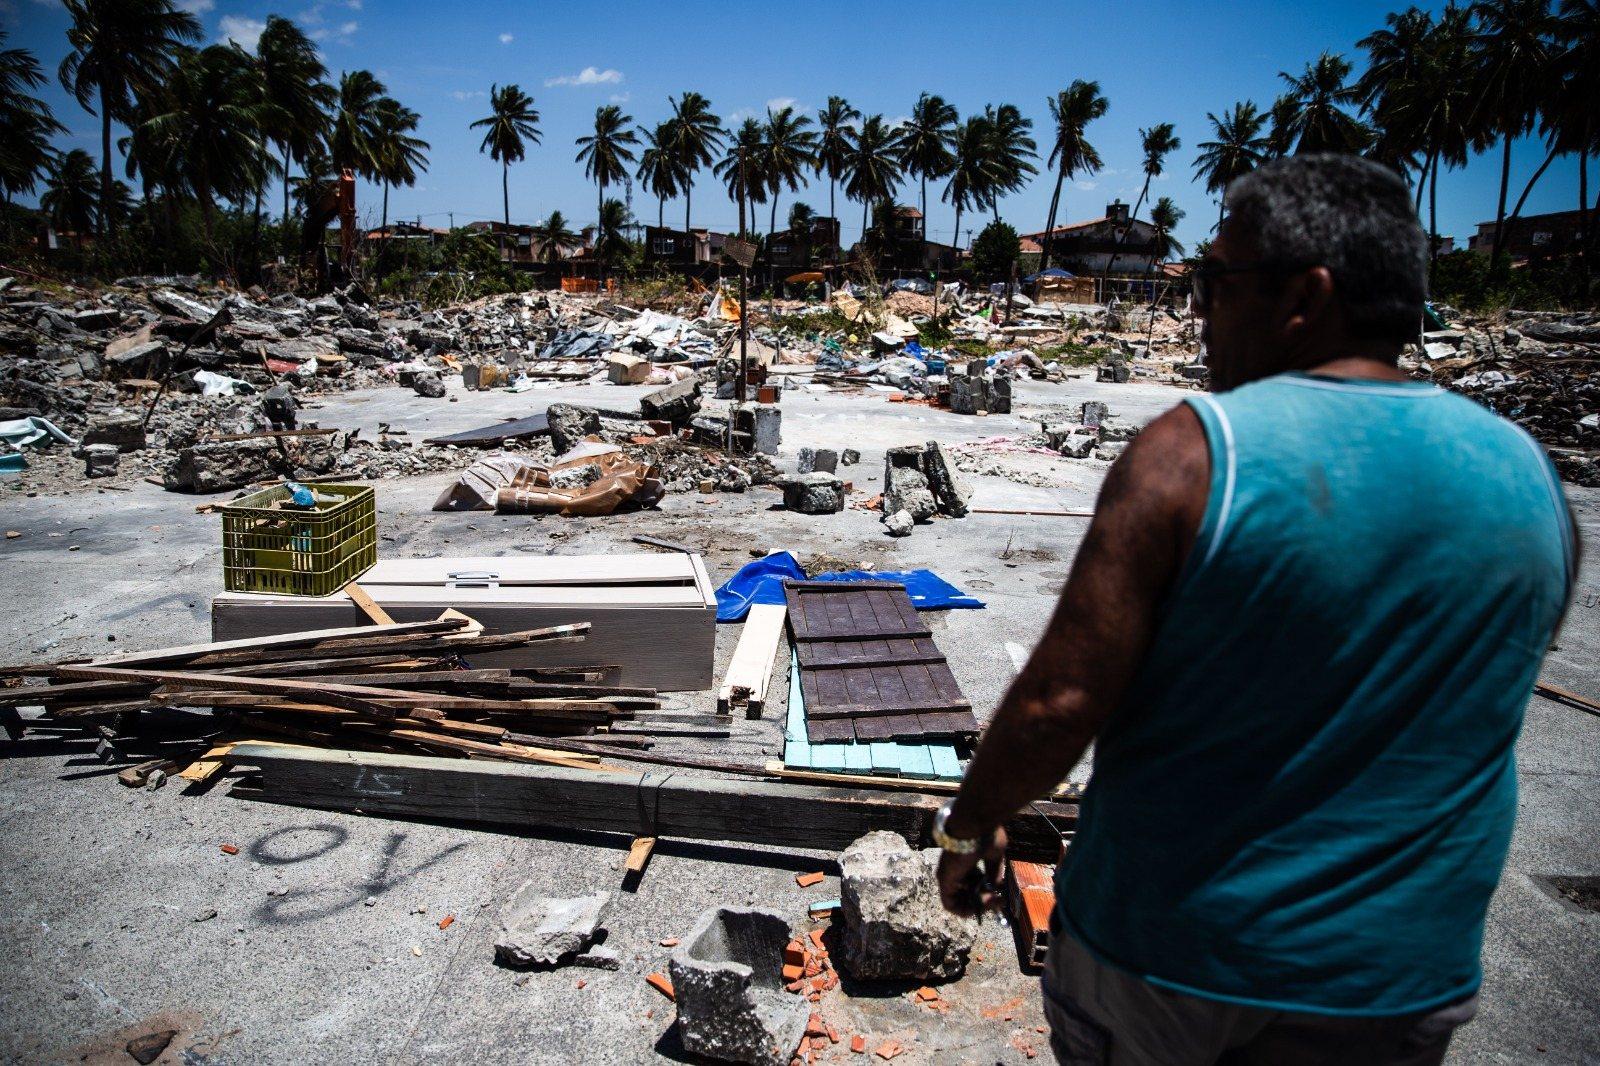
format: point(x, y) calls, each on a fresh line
point(1205, 276)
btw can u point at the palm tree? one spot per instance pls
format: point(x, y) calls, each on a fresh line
point(512, 122)
point(211, 131)
point(1165, 216)
point(696, 138)
point(1574, 122)
point(1511, 62)
point(1156, 142)
point(801, 218)
point(70, 196)
point(605, 153)
point(552, 237)
point(925, 144)
point(1239, 147)
point(659, 171)
point(119, 48)
point(1071, 154)
point(292, 82)
point(973, 174)
point(352, 143)
point(26, 123)
point(400, 155)
point(872, 169)
point(611, 234)
point(788, 150)
point(1280, 126)
point(740, 169)
point(1321, 94)
point(834, 124)
point(1011, 148)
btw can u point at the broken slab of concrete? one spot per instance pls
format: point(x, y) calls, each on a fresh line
point(100, 460)
point(1092, 412)
point(1118, 429)
point(542, 930)
point(219, 466)
point(123, 430)
point(895, 927)
point(950, 493)
point(728, 978)
point(905, 488)
point(569, 424)
point(899, 524)
point(677, 403)
point(814, 493)
point(921, 479)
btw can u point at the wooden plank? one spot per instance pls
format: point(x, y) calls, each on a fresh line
point(1020, 511)
point(748, 672)
point(279, 642)
point(368, 605)
point(1562, 695)
point(643, 568)
point(639, 853)
point(781, 814)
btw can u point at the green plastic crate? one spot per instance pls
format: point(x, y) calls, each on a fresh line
point(299, 552)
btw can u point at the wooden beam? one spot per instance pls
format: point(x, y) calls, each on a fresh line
point(775, 768)
point(1023, 511)
point(750, 670)
point(1561, 695)
point(635, 804)
point(368, 605)
point(278, 642)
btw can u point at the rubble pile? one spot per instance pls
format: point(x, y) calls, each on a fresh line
point(1537, 369)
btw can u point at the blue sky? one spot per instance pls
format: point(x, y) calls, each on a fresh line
point(1155, 61)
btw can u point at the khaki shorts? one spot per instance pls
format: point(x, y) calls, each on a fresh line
point(1101, 1016)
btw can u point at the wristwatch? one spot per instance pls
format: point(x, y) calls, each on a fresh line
point(956, 845)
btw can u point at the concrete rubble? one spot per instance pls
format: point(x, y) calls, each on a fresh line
point(727, 979)
point(895, 927)
point(543, 931)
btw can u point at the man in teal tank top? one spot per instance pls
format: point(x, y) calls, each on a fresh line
point(1301, 632)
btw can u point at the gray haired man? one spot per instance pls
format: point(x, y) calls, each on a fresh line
point(1301, 632)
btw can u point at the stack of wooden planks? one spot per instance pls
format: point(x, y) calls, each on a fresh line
point(869, 669)
point(394, 687)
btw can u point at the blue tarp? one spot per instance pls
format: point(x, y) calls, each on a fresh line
point(1053, 272)
point(762, 582)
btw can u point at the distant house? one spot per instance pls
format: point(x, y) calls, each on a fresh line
point(910, 251)
point(1088, 247)
point(788, 251)
point(515, 242)
point(681, 248)
point(1527, 236)
point(407, 231)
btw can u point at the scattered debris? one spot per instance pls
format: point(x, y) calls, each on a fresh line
point(539, 930)
point(895, 927)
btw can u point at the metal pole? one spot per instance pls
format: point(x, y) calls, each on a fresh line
point(744, 336)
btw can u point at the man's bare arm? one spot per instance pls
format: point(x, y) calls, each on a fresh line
point(1148, 512)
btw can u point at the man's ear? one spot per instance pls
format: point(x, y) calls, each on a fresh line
point(1306, 302)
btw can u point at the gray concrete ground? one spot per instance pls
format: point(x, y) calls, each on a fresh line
point(320, 939)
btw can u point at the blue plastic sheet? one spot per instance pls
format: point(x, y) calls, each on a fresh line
point(762, 582)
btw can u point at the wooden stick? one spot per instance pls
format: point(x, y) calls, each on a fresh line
point(1561, 695)
point(1021, 511)
point(368, 605)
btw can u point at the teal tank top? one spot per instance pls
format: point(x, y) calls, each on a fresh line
point(1306, 798)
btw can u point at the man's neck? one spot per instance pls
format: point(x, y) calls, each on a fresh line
point(1377, 361)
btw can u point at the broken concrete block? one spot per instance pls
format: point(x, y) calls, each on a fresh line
point(905, 488)
point(677, 403)
point(768, 426)
point(428, 384)
point(826, 460)
point(569, 424)
point(540, 930)
point(100, 460)
point(1110, 450)
point(137, 355)
point(278, 404)
point(1113, 370)
point(598, 957)
point(849, 457)
point(814, 493)
point(123, 430)
point(1092, 412)
point(806, 460)
point(219, 466)
point(175, 304)
point(1118, 429)
point(624, 369)
point(727, 976)
point(997, 398)
point(1075, 445)
point(899, 524)
point(950, 493)
point(895, 927)
point(967, 395)
point(97, 318)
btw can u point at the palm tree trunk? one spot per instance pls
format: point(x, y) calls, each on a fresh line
point(661, 212)
point(1222, 204)
point(1050, 220)
point(1433, 216)
point(105, 164)
point(772, 226)
point(958, 231)
point(505, 189)
point(1500, 210)
point(1549, 158)
point(383, 223)
point(283, 237)
point(1583, 209)
point(1133, 216)
point(688, 198)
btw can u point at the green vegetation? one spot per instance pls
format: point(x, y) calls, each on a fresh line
point(994, 252)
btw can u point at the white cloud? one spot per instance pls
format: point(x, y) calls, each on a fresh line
point(242, 31)
point(620, 98)
point(1086, 186)
point(468, 94)
point(197, 7)
point(506, 38)
point(340, 34)
point(587, 76)
point(778, 103)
